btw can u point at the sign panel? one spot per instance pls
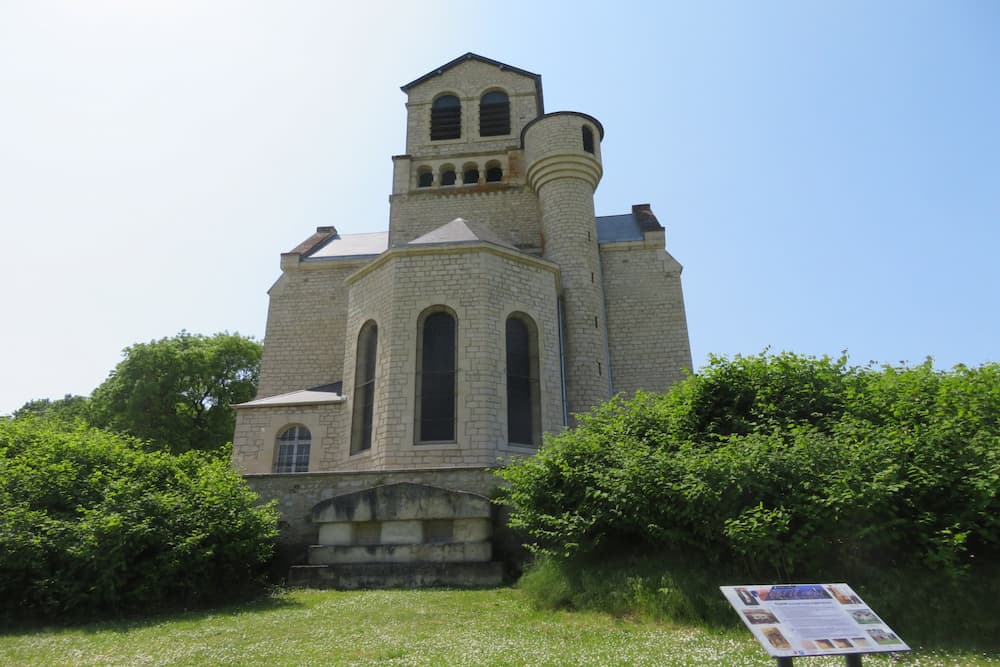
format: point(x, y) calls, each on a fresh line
point(811, 619)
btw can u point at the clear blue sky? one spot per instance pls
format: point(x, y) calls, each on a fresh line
point(828, 172)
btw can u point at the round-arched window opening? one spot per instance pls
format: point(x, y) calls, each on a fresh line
point(448, 177)
point(425, 179)
point(494, 175)
point(494, 114)
point(446, 118)
point(470, 176)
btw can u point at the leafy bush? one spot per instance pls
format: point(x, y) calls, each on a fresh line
point(89, 521)
point(789, 466)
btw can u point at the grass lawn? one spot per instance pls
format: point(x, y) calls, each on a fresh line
point(439, 627)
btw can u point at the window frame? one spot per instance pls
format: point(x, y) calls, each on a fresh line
point(446, 120)
point(421, 375)
point(365, 373)
point(495, 113)
point(296, 443)
point(526, 376)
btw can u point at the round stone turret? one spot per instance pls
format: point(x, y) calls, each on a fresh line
point(563, 166)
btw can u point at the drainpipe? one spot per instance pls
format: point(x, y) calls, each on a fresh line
point(562, 359)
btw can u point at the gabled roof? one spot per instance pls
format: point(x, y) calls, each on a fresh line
point(460, 230)
point(475, 56)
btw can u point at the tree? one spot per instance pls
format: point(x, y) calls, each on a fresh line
point(178, 392)
point(67, 408)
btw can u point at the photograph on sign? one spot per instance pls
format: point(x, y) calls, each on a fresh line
point(811, 619)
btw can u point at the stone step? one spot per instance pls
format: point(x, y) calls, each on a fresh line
point(443, 552)
point(396, 575)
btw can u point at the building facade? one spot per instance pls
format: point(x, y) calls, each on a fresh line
point(494, 308)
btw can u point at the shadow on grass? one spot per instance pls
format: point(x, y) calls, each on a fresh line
point(271, 600)
point(927, 611)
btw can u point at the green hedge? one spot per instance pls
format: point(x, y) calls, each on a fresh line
point(91, 522)
point(787, 466)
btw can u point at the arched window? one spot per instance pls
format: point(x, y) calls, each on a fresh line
point(364, 388)
point(494, 114)
point(425, 177)
point(470, 175)
point(494, 172)
point(447, 175)
point(446, 118)
point(293, 450)
point(588, 139)
point(523, 400)
point(435, 418)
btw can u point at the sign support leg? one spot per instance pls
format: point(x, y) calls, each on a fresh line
point(784, 662)
point(853, 660)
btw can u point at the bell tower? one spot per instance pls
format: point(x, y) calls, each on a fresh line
point(463, 151)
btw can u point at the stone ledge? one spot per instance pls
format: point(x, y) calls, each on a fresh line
point(453, 552)
point(396, 575)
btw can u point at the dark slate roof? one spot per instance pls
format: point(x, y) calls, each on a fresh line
point(627, 227)
point(475, 56)
point(614, 228)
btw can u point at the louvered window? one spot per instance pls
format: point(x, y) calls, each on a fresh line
point(446, 118)
point(494, 114)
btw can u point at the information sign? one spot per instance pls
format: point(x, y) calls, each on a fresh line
point(811, 619)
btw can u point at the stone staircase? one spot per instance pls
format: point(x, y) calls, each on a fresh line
point(401, 536)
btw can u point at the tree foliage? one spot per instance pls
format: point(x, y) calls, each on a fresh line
point(788, 464)
point(178, 392)
point(68, 408)
point(89, 521)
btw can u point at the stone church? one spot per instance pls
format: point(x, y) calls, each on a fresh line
point(495, 307)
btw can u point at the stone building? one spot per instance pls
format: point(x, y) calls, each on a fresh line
point(494, 308)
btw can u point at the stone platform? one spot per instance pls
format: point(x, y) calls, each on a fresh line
point(401, 535)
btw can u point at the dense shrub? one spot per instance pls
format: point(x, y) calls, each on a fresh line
point(89, 521)
point(788, 466)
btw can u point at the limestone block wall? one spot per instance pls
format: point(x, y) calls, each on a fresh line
point(511, 212)
point(482, 285)
point(257, 430)
point(565, 175)
point(304, 338)
point(298, 493)
point(647, 326)
point(468, 81)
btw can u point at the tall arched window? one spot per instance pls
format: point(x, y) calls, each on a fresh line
point(523, 399)
point(494, 114)
point(588, 139)
point(435, 418)
point(293, 450)
point(364, 388)
point(446, 118)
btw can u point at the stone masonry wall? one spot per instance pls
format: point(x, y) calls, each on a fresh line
point(257, 430)
point(511, 212)
point(304, 339)
point(468, 81)
point(481, 287)
point(647, 326)
point(297, 493)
